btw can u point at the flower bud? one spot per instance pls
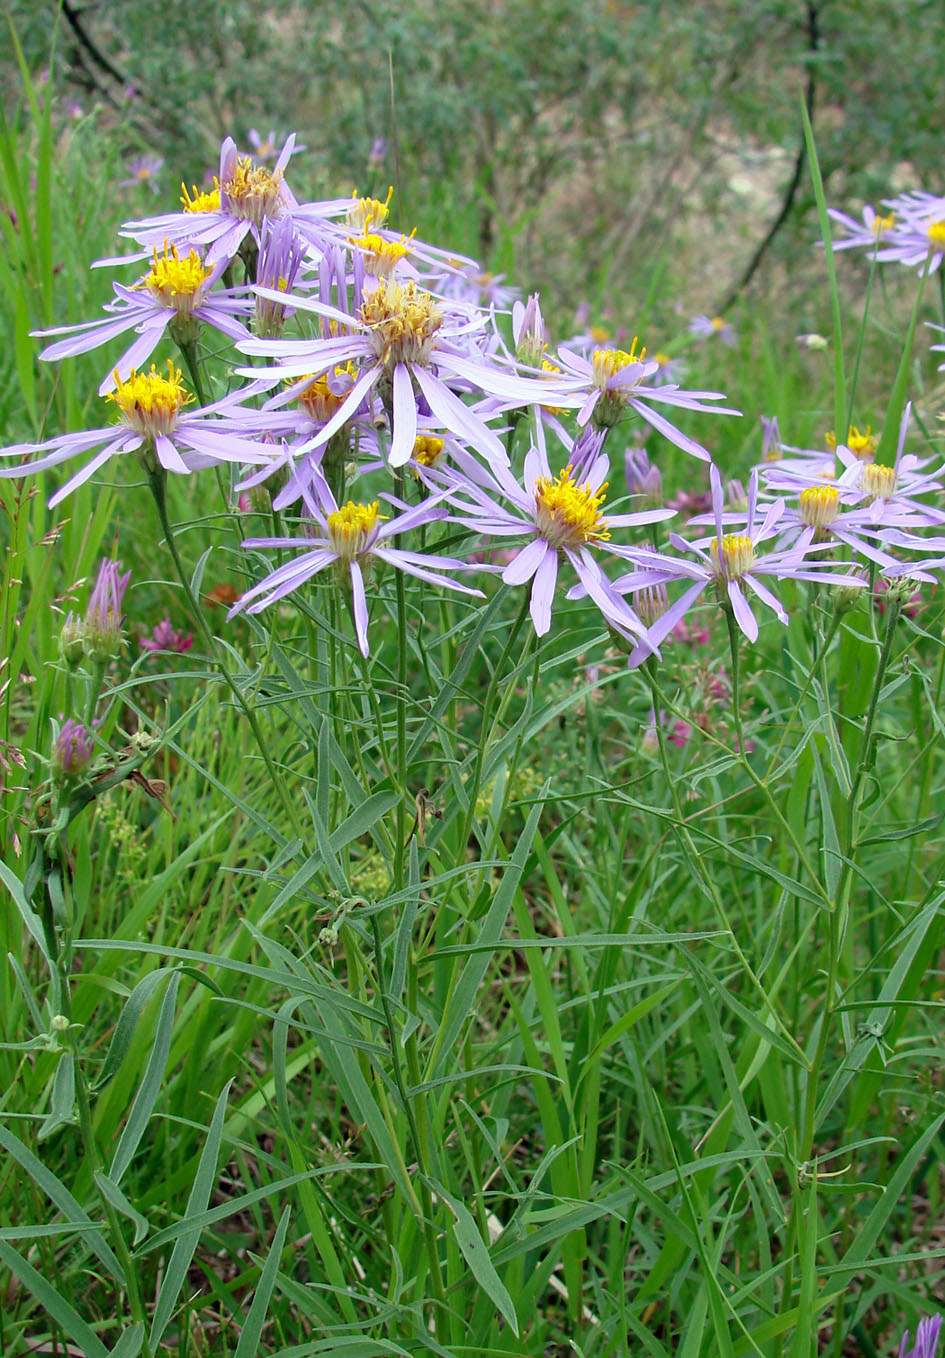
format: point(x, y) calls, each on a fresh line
point(72, 752)
point(70, 641)
point(102, 627)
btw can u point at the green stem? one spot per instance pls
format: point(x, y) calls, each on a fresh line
point(157, 481)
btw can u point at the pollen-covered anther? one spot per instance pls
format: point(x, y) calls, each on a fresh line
point(877, 481)
point(568, 514)
point(427, 449)
point(935, 231)
point(381, 256)
point(819, 505)
point(736, 558)
point(861, 445)
point(252, 193)
point(201, 200)
point(367, 214)
point(402, 321)
point(175, 282)
point(606, 363)
point(322, 397)
point(350, 528)
point(150, 403)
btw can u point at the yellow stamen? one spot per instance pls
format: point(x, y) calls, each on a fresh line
point(198, 200)
point(381, 256)
point(148, 402)
point(175, 282)
point(606, 362)
point(878, 481)
point(862, 446)
point(365, 213)
point(883, 224)
point(736, 558)
point(427, 449)
point(252, 192)
point(351, 526)
point(819, 505)
point(718, 323)
point(599, 334)
point(402, 320)
point(568, 514)
point(936, 234)
point(318, 398)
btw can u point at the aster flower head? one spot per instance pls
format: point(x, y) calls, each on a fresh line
point(869, 233)
point(103, 624)
point(713, 327)
point(564, 520)
point(926, 1339)
point(175, 295)
point(349, 539)
point(154, 425)
point(72, 751)
point(613, 381)
point(529, 332)
point(267, 148)
point(142, 170)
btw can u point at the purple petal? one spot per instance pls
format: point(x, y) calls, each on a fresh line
point(543, 593)
point(743, 614)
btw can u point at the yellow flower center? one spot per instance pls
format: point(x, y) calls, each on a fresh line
point(599, 334)
point(878, 481)
point(199, 201)
point(862, 445)
point(883, 224)
point(318, 398)
point(736, 557)
point(351, 526)
point(568, 514)
point(819, 505)
point(175, 282)
point(252, 192)
point(662, 359)
point(150, 403)
point(381, 256)
point(606, 362)
point(426, 449)
point(365, 213)
point(402, 320)
point(936, 234)
point(718, 323)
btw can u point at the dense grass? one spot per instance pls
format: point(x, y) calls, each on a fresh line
point(456, 1007)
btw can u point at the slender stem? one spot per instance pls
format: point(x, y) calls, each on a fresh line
point(159, 491)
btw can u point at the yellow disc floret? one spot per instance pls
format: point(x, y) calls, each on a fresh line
point(819, 505)
point(567, 514)
point(935, 231)
point(736, 557)
point(381, 256)
point(606, 363)
point(150, 403)
point(881, 225)
point(862, 445)
point(351, 526)
point(319, 399)
point(175, 282)
point(402, 320)
point(196, 200)
point(367, 214)
point(878, 481)
point(252, 192)
point(427, 449)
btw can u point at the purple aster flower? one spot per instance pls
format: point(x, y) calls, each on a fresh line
point(73, 750)
point(164, 637)
point(349, 539)
point(529, 333)
point(103, 624)
point(153, 425)
point(612, 380)
point(926, 1339)
point(175, 293)
point(407, 348)
point(267, 148)
point(731, 563)
point(891, 491)
point(870, 232)
point(713, 327)
point(142, 170)
point(244, 196)
point(562, 518)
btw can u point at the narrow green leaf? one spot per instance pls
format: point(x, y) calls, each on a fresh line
point(63, 1097)
point(116, 1197)
point(56, 1306)
point(150, 1086)
point(126, 1025)
point(476, 1253)
point(250, 1335)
